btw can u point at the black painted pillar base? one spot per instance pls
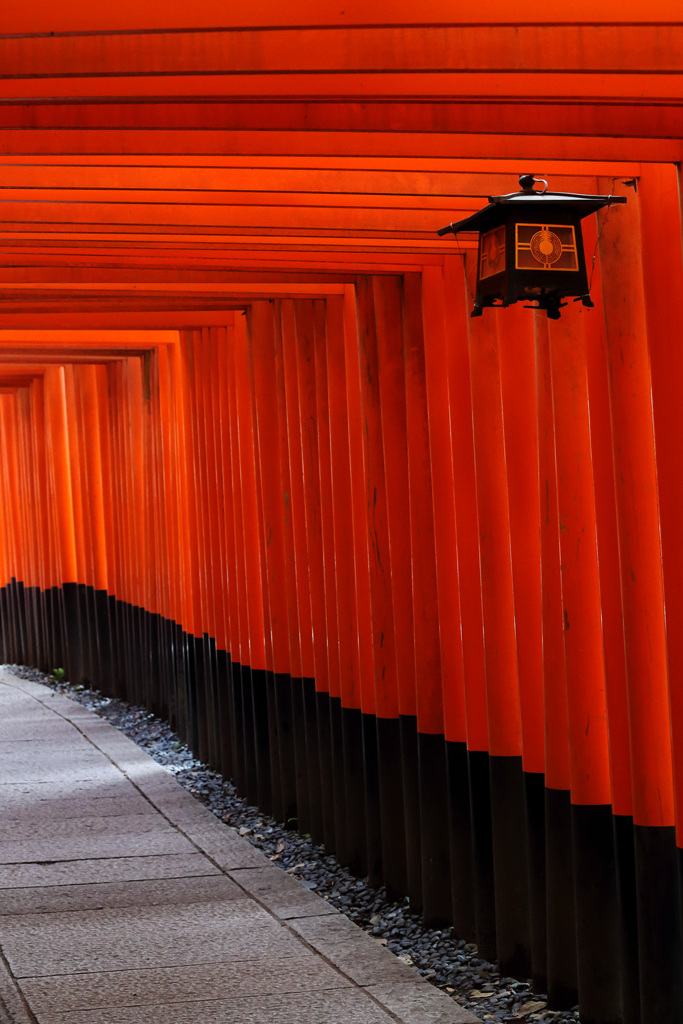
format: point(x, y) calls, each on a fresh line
point(181, 685)
point(5, 647)
point(482, 853)
point(85, 611)
point(411, 809)
point(303, 800)
point(103, 646)
point(659, 925)
point(248, 726)
point(10, 623)
point(217, 723)
point(167, 670)
point(191, 697)
point(278, 810)
point(116, 679)
point(561, 916)
point(437, 909)
point(286, 750)
point(510, 866)
point(256, 681)
point(158, 669)
point(33, 625)
point(23, 637)
point(391, 807)
point(597, 915)
point(328, 793)
point(628, 917)
point(201, 695)
point(341, 833)
point(72, 623)
point(460, 824)
point(315, 790)
point(55, 616)
point(534, 788)
point(239, 771)
point(373, 821)
point(213, 712)
point(225, 729)
point(352, 739)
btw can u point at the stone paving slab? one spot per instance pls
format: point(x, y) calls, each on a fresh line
point(50, 801)
point(262, 976)
point(353, 952)
point(283, 895)
point(419, 1004)
point(337, 1006)
point(92, 846)
point(16, 830)
point(122, 869)
point(124, 901)
point(13, 1004)
point(225, 848)
point(36, 945)
point(35, 728)
point(107, 896)
point(35, 765)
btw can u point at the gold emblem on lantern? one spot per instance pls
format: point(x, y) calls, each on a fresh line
point(492, 252)
point(546, 247)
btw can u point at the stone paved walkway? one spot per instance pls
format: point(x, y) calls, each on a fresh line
point(124, 901)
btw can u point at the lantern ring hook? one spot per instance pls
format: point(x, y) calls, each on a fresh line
point(527, 182)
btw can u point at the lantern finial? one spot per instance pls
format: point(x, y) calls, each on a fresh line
point(527, 182)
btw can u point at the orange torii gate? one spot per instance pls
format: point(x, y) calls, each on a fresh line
point(412, 579)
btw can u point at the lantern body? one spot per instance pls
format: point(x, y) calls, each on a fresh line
point(530, 257)
point(531, 248)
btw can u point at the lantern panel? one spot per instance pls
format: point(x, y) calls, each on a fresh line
point(492, 253)
point(546, 247)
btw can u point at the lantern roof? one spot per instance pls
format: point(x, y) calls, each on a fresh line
point(531, 199)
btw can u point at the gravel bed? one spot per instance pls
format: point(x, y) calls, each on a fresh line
point(447, 962)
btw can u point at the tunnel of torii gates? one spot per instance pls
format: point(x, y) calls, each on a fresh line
point(414, 580)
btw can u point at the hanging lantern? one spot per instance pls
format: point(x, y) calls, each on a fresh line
point(530, 247)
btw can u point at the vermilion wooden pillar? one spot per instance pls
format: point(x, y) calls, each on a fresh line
point(344, 530)
point(60, 487)
point(168, 545)
point(613, 637)
point(662, 269)
point(434, 364)
point(513, 940)
point(18, 556)
point(251, 673)
point(561, 946)
point(216, 356)
point(628, 344)
point(397, 686)
point(454, 301)
point(595, 885)
point(270, 500)
point(383, 699)
point(431, 686)
point(305, 342)
point(518, 385)
point(295, 547)
point(46, 575)
point(96, 578)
